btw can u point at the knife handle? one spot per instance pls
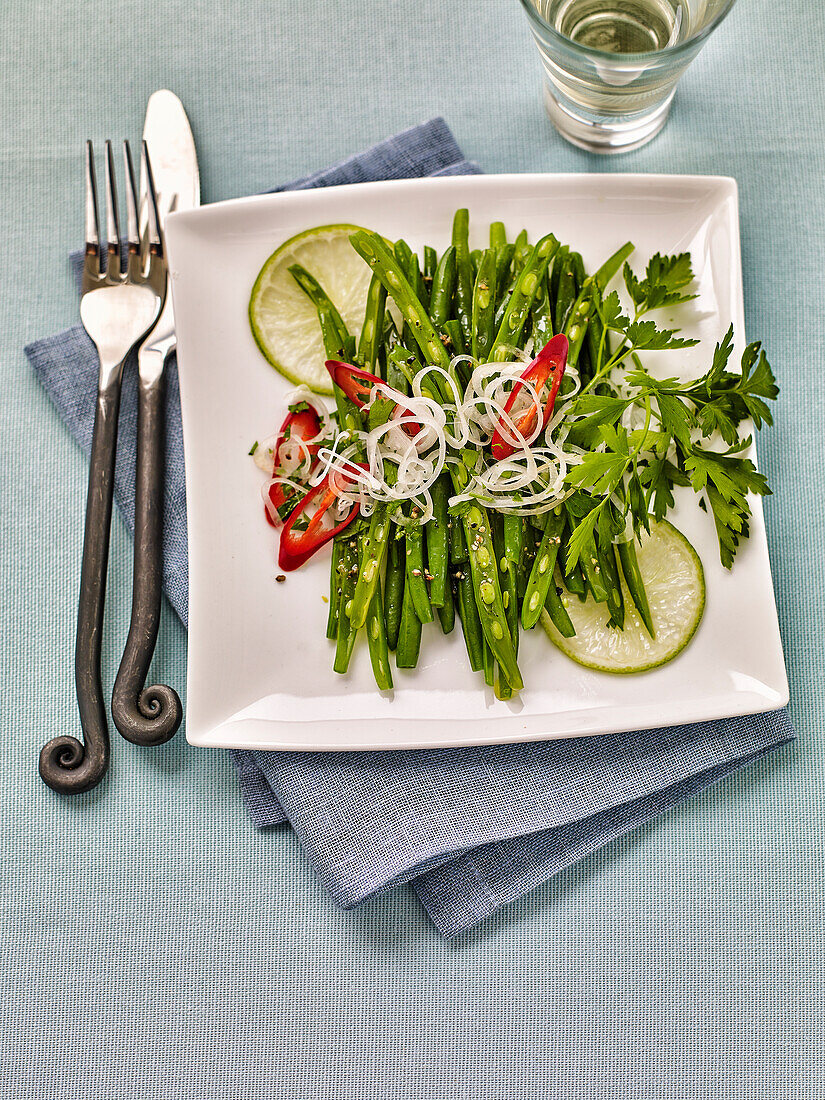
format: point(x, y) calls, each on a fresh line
point(146, 715)
point(68, 765)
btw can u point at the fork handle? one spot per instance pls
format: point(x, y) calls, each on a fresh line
point(68, 765)
point(146, 715)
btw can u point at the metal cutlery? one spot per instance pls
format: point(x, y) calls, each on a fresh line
point(151, 715)
point(118, 309)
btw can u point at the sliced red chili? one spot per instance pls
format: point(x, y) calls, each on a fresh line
point(298, 544)
point(303, 424)
point(358, 385)
point(546, 369)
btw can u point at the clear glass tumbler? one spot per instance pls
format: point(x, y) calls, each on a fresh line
point(611, 66)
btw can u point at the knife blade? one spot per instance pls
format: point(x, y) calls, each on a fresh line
point(151, 715)
point(168, 136)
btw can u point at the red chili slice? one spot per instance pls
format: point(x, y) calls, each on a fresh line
point(305, 424)
point(358, 385)
point(298, 546)
point(551, 360)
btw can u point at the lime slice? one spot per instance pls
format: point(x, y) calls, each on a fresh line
point(284, 321)
point(675, 584)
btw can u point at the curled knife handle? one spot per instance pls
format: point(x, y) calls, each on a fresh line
point(68, 765)
point(146, 715)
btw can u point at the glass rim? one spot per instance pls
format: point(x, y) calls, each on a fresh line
point(588, 51)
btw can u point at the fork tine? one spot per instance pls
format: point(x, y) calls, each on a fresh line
point(134, 266)
point(113, 268)
point(131, 201)
point(155, 242)
point(92, 223)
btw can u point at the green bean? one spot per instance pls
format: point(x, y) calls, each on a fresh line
point(501, 685)
point(609, 571)
point(592, 568)
point(458, 547)
point(394, 588)
point(578, 318)
point(565, 295)
point(441, 296)
point(372, 248)
point(507, 570)
point(470, 621)
point(484, 306)
point(513, 538)
point(541, 314)
point(430, 264)
point(489, 666)
point(559, 261)
point(464, 280)
point(554, 606)
point(373, 551)
point(610, 268)
point(504, 261)
point(518, 307)
point(635, 585)
point(377, 643)
point(541, 574)
point(487, 589)
point(498, 235)
point(335, 586)
point(579, 274)
point(409, 634)
point(346, 635)
point(530, 542)
point(338, 343)
point(408, 264)
point(437, 536)
point(372, 329)
point(401, 368)
point(464, 598)
point(593, 339)
point(415, 582)
point(456, 335)
point(501, 309)
point(403, 253)
point(521, 250)
point(446, 613)
point(574, 580)
point(417, 281)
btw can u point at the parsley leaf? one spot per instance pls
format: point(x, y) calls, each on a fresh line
point(600, 472)
point(659, 476)
point(664, 281)
point(611, 314)
point(645, 336)
point(379, 413)
point(726, 478)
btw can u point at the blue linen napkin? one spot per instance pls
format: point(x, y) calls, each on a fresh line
point(471, 829)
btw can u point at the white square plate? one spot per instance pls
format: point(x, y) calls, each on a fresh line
point(260, 668)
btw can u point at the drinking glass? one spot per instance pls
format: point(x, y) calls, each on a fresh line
point(611, 66)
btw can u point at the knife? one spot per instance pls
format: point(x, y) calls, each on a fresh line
point(151, 715)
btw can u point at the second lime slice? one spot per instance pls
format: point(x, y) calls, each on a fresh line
point(675, 585)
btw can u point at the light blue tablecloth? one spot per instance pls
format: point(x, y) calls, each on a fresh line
point(155, 945)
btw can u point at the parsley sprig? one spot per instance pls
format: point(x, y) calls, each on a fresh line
point(690, 433)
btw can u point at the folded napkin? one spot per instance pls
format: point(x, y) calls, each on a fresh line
point(471, 829)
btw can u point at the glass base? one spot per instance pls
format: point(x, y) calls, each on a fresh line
point(600, 133)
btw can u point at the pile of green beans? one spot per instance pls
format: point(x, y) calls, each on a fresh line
point(496, 573)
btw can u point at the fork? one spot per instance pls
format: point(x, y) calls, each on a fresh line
point(118, 309)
